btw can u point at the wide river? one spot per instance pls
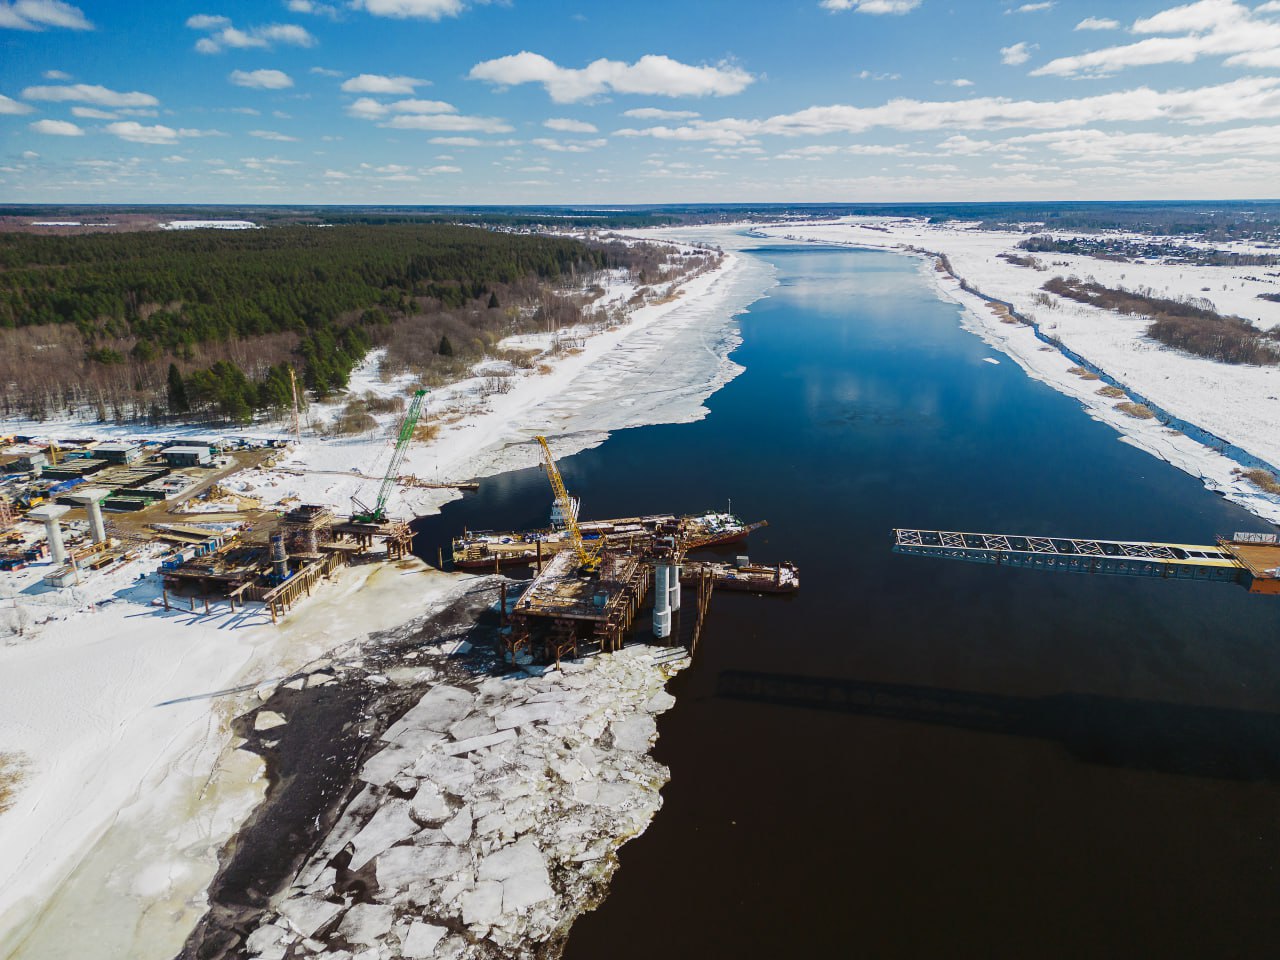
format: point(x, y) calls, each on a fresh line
point(1019, 764)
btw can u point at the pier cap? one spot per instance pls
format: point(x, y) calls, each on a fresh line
point(88, 495)
point(48, 511)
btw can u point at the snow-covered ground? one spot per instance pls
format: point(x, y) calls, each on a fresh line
point(122, 711)
point(208, 225)
point(123, 714)
point(1240, 404)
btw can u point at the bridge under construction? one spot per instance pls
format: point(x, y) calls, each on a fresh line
point(1249, 559)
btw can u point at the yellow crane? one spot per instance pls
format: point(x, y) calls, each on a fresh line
point(297, 420)
point(588, 557)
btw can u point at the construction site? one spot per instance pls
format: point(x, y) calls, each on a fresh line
point(91, 505)
point(86, 506)
point(589, 589)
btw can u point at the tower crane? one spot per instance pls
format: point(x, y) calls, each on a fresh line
point(378, 512)
point(588, 557)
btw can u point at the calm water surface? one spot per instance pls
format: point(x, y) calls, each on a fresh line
point(1018, 763)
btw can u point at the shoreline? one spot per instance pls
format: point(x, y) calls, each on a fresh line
point(82, 875)
point(1045, 361)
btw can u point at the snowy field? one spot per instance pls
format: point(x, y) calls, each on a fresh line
point(122, 711)
point(1240, 404)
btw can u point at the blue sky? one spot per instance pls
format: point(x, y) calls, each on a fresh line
point(543, 101)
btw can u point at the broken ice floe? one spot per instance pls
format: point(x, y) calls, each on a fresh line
point(487, 820)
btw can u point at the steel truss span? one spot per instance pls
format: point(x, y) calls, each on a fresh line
point(1116, 557)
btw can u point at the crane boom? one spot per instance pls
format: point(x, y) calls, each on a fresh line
point(587, 558)
point(377, 514)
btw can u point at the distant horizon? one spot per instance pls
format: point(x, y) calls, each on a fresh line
point(654, 205)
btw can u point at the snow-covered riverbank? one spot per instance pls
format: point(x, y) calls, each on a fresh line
point(1240, 404)
point(123, 712)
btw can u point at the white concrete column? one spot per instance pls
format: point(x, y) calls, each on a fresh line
point(661, 601)
point(673, 586)
point(92, 499)
point(50, 514)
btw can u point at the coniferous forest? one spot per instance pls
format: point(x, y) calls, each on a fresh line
point(210, 322)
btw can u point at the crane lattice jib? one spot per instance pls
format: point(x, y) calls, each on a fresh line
point(585, 556)
point(397, 457)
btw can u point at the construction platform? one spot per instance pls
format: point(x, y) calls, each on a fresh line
point(1252, 560)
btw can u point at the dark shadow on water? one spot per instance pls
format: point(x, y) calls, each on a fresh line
point(1189, 741)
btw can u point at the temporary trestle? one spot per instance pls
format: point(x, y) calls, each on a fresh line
point(395, 533)
point(279, 599)
point(1172, 561)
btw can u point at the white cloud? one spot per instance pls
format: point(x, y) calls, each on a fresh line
point(961, 82)
point(1184, 34)
point(325, 72)
point(205, 21)
point(366, 108)
point(447, 123)
point(657, 113)
point(1017, 54)
point(565, 125)
point(868, 75)
point(459, 142)
point(93, 113)
point(12, 108)
point(223, 35)
point(56, 75)
point(272, 135)
point(873, 6)
point(1097, 146)
point(136, 132)
point(1252, 98)
point(309, 6)
point(876, 150)
point(568, 146)
point(443, 168)
point(377, 84)
point(38, 14)
point(1030, 8)
point(410, 9)
point(57, 128)
point(1098, 23)
point(652, 74)
point(91, 93)
point(967, 147)
point(261, 79)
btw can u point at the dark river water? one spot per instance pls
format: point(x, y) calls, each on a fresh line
point(1021, 763)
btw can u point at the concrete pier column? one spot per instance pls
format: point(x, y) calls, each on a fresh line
point(92, 499)
point(661, 601)
point(50, 513)
point(673, 586)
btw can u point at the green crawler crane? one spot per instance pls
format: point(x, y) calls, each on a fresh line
point(378, 512)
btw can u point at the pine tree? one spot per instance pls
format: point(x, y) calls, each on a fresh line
point(178, 402)
point(493, 301)
point(446, 348)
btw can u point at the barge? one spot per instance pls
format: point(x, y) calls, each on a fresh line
point(486, 550)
